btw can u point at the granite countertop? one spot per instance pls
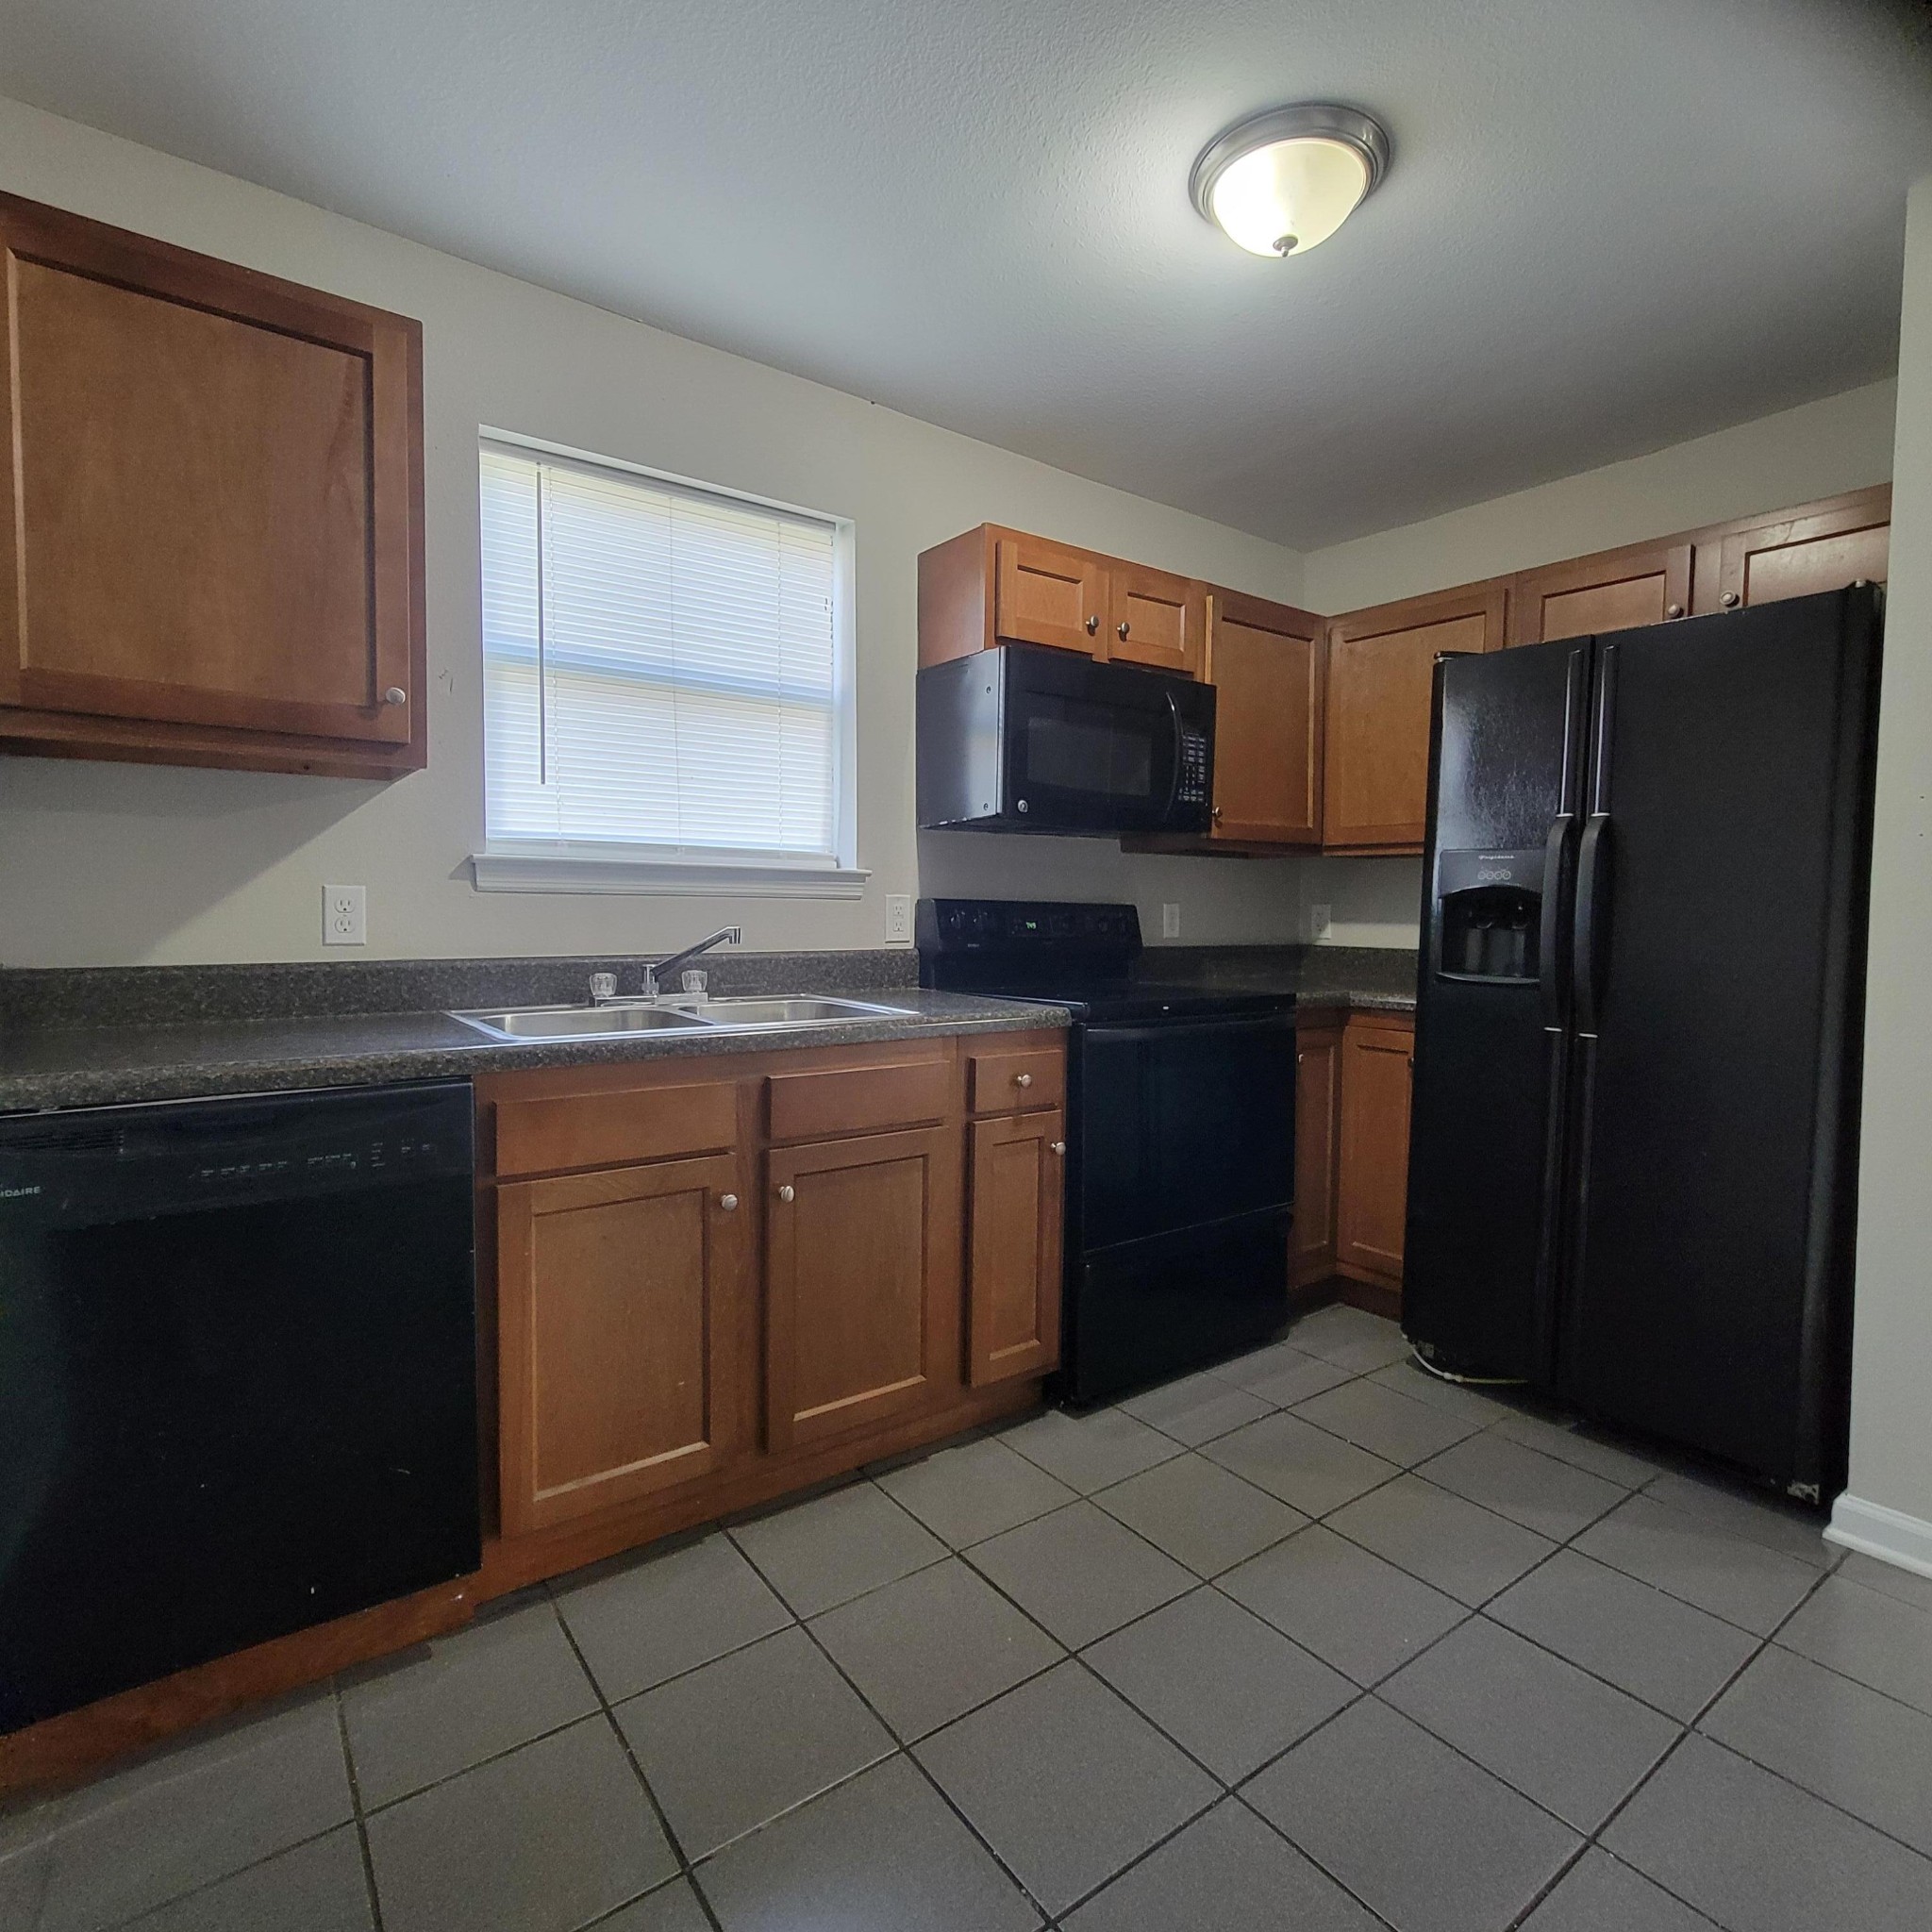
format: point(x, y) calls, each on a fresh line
point(1374, 978)
point(75, 1065)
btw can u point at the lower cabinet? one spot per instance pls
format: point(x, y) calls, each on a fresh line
point(1378, 1069)
point(861, 1281)
point(1317, 1145)
point(1018, 1175)
point(620, 1366)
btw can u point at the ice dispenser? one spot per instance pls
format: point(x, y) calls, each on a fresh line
point(1488, 914)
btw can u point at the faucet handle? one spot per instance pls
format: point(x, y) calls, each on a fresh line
point(696, 981)
point(603, 986)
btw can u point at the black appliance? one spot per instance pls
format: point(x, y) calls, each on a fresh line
point(1633, 1152)
point(1028, 739)
point(238, 1376)
point(1180, 1137)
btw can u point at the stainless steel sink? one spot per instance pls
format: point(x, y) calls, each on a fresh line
point(670, 1016)
point(581, 1023)
point(735, 1013)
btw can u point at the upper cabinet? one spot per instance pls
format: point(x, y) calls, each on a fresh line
point(994, 586)
point(213, 508)
point(1615, 590)
point(1265, 661)
point(1380, 666)
point(1822, 546)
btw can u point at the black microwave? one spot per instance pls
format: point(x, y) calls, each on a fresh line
point(1028, 739)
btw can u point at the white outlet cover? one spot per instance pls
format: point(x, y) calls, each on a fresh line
point(1170, 922)
point(344, 915)
point(898, 919)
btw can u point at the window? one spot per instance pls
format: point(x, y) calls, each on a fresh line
point(664, 684)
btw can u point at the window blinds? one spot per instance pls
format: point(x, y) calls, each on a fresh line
point(660, 666)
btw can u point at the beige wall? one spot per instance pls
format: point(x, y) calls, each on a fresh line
point(104, 863)
point(1891, 1415)
point(1842, 442)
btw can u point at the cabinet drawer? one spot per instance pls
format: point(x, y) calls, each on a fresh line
point(614, 1130)
point(1011, 1082)
point(851, 1100)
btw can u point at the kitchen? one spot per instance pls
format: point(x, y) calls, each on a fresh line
point(1003, 1656)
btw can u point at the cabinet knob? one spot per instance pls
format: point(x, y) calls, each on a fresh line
point(395, 694)
point(1217, 814)
point(1058, 1147)
point(1093, 626)
point(1673, 610)
point(785, 1193)
point(1729, 600)
point(1121, 630)
point(1301, 1059)
point(1023, 1079)
point(728, 1202)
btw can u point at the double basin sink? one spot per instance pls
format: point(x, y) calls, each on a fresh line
point(620, 1018)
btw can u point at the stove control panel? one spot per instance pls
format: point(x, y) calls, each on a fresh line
point(1026, 925)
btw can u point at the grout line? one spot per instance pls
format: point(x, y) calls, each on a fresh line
point(335, 1691)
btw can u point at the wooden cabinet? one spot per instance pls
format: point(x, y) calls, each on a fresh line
point(1820, 547)
point(623, 1365)
point(1317, 1145)
point(1380, 666)
point(1377, 1067)
point(1266, 663)
point(1157, 620)
point(1017, 1169)
point(1615, 590)
point(862, 1281)
point(1044, 593)
point(213, 511)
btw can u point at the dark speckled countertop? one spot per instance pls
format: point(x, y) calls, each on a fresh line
point(179, 1032)
point(1380, 979)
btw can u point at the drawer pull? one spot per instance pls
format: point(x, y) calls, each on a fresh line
point(1023, 1079)
point(727, 1202)
point(786, 1195)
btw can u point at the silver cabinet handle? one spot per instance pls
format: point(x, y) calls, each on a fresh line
point(1123, 630)
point(1673, 610)
point(1058, 1147)
point(785, 1193)
point(1023, 1079)
point(728, 1202)
point(395, 694)
point(1093, 626)
point(1729, 600)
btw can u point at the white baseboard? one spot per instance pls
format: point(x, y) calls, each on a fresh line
point(1890, 1534)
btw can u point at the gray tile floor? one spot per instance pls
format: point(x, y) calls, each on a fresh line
point(1109, 1675)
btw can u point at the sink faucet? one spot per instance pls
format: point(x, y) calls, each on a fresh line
point(658, 971)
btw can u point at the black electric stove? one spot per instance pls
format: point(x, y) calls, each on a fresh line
point(1180, 1137)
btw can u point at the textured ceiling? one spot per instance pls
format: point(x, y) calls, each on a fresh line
point(1610, 224)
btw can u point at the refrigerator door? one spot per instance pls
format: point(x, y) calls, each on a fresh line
point(1504, 767)
point(1719, 958)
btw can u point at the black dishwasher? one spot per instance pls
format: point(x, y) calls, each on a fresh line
point(238, 1376)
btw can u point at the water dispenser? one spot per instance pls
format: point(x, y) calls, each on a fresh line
point(1488, 914)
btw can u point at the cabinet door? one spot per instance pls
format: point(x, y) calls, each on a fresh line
point(862, 1281)
point(1376, 748)
point(1317, 1134)
point(1156, 619)
point(213, 512)
point(1013, 1246)
point(1617, 590)
point(1377, 1064)
point(1824, 546)
point(1046, 593)
point(1265, 662)
point(623, 1309)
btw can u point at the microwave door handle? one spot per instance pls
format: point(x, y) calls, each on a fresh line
point(1174, 782)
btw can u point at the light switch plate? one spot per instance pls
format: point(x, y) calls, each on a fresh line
point(345, 915)
point(1170, 922)
point(898, 919)
point(1318, 920)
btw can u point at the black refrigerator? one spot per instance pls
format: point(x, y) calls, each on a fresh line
point(1632, 1168)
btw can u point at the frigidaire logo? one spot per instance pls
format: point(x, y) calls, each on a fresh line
point(15, 1194)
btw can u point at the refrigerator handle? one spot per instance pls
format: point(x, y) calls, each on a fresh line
point(1549, 942)
point(1592, 917)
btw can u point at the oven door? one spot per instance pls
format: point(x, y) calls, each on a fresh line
point(1102, 748)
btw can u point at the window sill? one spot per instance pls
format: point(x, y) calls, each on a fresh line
point(548, 869)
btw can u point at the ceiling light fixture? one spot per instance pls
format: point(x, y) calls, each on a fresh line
point(1287, 179)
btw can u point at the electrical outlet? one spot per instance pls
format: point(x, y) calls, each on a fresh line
point(1318, 920)
point(345, 915)
point(898, 919)
point(1170, 922)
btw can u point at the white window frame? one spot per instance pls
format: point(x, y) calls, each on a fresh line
point(544, 865)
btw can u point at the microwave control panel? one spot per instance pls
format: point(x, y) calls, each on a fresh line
point(1193, 789)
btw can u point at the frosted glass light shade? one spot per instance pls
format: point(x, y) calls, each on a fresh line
point(1285, 181)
